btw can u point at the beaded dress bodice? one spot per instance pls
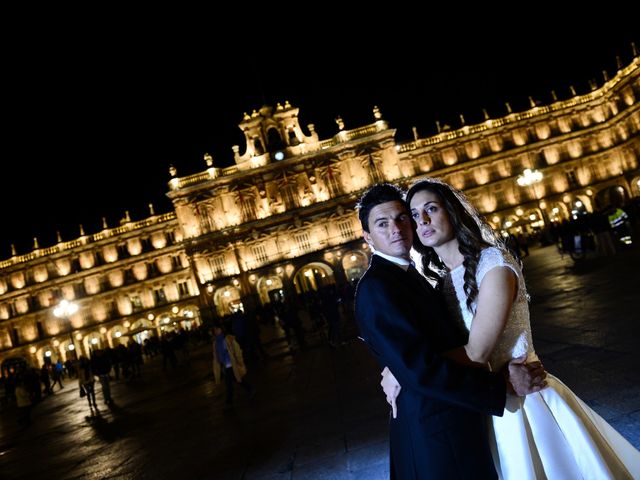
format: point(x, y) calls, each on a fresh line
point(516, 338)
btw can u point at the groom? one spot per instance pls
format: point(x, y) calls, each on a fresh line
point(441, 427)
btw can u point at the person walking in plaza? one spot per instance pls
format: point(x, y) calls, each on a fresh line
point(86, 380)
point(547, 434)
point(57, 371)
point(101, 365)
point(45, 379)
point(23, 402)
point(440, 430)
point(228, 363)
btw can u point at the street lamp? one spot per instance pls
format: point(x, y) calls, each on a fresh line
point(530, 178)
point(64, 310)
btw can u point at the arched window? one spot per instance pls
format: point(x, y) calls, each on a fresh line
point(274, 140)
point(257, 146)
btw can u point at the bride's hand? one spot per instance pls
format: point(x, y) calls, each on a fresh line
point(391, 389)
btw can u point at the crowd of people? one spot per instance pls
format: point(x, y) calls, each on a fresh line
point(605, 231)
point(23, 385)
point(319, 314)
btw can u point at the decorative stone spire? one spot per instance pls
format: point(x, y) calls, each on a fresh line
point(438, 127)
point(58, 236)
point(532, 102)
point(508, 107)
point(415, 132)
point(245, 116)
point(486, 114)
point(127, 217)
point(618, 62)
point(462, 120)
point(573, 91)
point(605, 75)
point(376, 113)
point(151, 212)
point(172, 171)
point(208, 160)
point(634, 50)
point(35, 243)
point(104, 223)
point(554, 96)
point(340, 122)
point(287, 104)
point(13, 250)
point(81, 230)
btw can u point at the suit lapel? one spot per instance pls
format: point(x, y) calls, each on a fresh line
point(406, 279)
point(421, 291)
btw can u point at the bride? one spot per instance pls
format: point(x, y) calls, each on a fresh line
point(549, 434)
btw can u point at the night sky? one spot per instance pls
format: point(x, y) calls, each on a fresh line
point(93, 118)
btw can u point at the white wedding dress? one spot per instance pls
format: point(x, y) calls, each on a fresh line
point(551, 434)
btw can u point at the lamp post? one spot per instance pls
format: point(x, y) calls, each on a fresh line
point(530, 178)
point(64, 310)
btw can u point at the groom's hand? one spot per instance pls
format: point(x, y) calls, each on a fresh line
point(525, 378)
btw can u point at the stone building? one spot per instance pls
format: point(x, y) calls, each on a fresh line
point(280, 226)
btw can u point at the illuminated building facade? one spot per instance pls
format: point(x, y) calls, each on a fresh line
point(281, 221)
point(126, 282)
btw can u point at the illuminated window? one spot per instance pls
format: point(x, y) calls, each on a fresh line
point(346, 230)
point(136, 303)
point(218, 264)
point(160, 296)
point(302, 241)
point(183, 289)
point(571, 178)
point(259, 253)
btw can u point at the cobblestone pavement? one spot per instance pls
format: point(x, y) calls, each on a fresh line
point(319, 413)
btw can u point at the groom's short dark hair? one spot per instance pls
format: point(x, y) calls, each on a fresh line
point(379, 193)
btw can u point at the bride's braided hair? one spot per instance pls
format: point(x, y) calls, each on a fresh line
point(470, 229)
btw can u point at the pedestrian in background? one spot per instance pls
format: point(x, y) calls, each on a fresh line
point(86, 380)
point(101, 364)
point(23, 402)
point(228, 363)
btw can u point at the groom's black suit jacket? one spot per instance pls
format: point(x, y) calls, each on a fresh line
point(441, 427)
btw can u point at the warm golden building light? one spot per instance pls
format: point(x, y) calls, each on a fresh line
point(263, 229)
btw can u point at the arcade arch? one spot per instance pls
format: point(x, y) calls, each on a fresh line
point(354, 263)
point(270, 289)
point(167, 323)
point(579, 206)
point(312, 277)
point(558, 212)
point(227, 300)
point(190, 317)
point(93, 341)
point(614, 195)
point(116, 336)
point(141, 330)
point(41, 354)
